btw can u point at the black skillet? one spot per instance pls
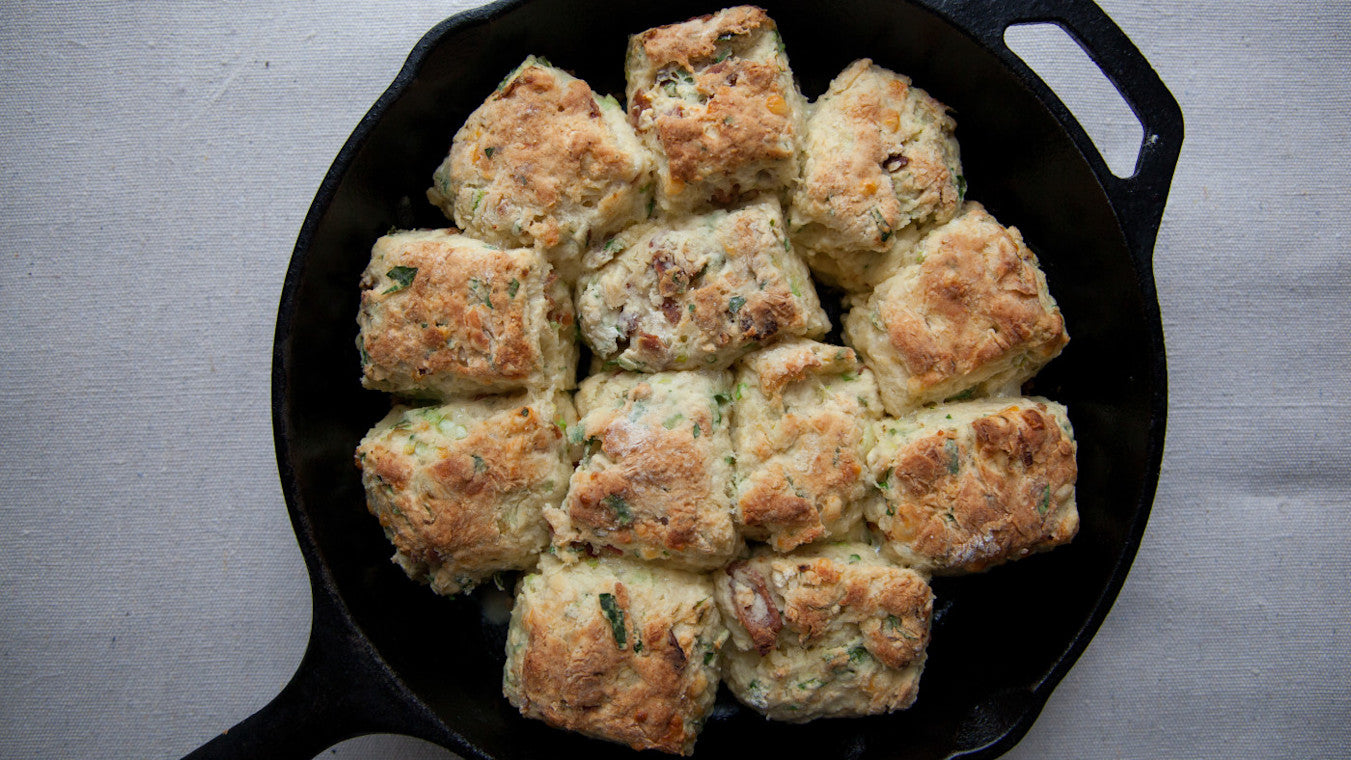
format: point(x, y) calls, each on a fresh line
point(386, 655)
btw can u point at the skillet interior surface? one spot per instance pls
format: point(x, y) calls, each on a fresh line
point(1000, 640)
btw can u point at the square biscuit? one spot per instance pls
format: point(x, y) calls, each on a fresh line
point(443, 314)
point(880, 161)
point(964, 487)
point(714, 99)
point(801, 428)
point(617, 650)
point(697, 293)
point(460, 488)
point(827, 631)
point(971, 317)
point(655, 479)
point(545, 162)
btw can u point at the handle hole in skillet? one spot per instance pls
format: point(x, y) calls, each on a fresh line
point(1093, 100)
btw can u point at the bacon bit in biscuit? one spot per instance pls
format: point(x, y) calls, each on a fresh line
point(756, 611)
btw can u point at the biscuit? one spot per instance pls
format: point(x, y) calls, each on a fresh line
point(833, 631)
point(545, 162)
point(460, 488)
point(971, 317)
point(443, 314)
point(655, 480)
point(801, 429)
point(617, 650)
point(714, 99)
point(880, 161)
point(696, 293)
point(963, 487)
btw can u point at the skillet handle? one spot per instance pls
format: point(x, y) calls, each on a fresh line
point(1140, 198)
point(342, 689)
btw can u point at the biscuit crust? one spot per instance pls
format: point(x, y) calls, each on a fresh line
point(801, 429)
point(616, 650)
point(655, 478)
point(443, 315)
point(829, 631)
point(697, 293)
point(972, 317)
point(544, 162)
point(968, 486)
point(460, 488)
point(714, 99)
point(880, 160)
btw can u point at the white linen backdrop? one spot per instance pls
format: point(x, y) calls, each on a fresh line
point(157, 160)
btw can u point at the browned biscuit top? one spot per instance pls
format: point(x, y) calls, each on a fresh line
point(696, 40)
point(972, 503)
point(804, 598)
point(540, 141)
point(975, 299)
point(656, 489)
point(459, 315)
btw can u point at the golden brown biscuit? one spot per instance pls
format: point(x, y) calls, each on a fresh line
point(714, 99)
point(545, 162)
point(443, 314)
point(801, 429)
point(829, 631)
point(880, 161)
point(616, 650)
point(967, 486)
point(696, 293)
point(972, 317)
point(656, 477)
point(460, 488)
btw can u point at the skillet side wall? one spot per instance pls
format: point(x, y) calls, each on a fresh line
point(996, 636)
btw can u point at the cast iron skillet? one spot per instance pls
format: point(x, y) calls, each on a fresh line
point(386, 655)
